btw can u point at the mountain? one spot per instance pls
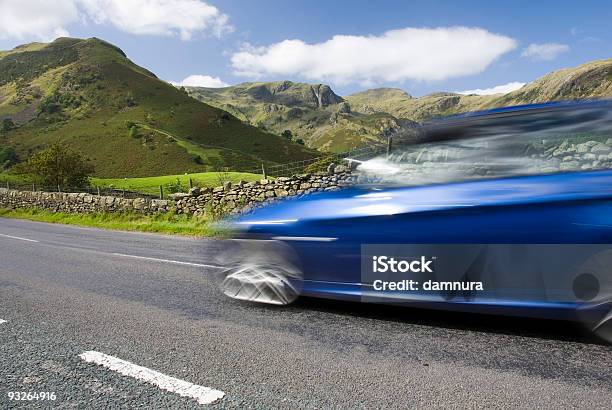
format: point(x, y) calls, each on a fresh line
point(312, 112)
point(329, 122)
point(125, 120)
point(590, 80)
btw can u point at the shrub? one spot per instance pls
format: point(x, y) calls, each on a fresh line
point(134, 132)
point(59, 165)
point(175, 187)
point(287, 134)
point(129, 100)
point(55, 102)
point(7, 124)
point(8, 157)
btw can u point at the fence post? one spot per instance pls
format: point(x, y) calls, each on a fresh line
point(161, 192)
point(190, 183)
point(123, 192)
point(263, 170)
point(98, 190)
point(389, 145)
point(58, 189)
point(8, 186)
point(33, 189)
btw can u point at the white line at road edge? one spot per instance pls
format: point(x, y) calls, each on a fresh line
point(169, 261)
point(203, 395)
point(18, 238)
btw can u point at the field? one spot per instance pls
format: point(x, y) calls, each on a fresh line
point(150, 185)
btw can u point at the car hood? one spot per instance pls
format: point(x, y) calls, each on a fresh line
point(364, 202)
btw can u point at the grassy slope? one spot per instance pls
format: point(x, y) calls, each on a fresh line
point(285, 105)
point(103, 79)
point(593, 79)
point(166, 223)
point(150, 185)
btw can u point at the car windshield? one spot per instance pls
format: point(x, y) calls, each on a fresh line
point(540, 140)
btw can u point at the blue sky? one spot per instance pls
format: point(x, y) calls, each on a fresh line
point(352, 45)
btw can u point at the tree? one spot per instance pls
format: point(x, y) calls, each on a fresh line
point(8, 157)
point(59, 165)
point(7, 124)
point(287, 134)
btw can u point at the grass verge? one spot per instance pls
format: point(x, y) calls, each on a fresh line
point(159, 223)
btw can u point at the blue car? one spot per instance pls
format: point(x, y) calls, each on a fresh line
point(507, 211)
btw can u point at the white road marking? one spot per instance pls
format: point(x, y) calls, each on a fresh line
point(168, 261)
point(18, 238)
point(203, 395)
point(276, 222)
point(304, 238)
point(2, 321)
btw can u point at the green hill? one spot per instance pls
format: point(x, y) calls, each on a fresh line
point(593, 79)
point(312, 112)
point(125, 120)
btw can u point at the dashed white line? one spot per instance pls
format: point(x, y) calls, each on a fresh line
point(203, 395)
point(18, 238)
point(168, 261)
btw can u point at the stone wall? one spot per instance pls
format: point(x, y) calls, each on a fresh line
point(242, 197)
point(79, 202)
point(219, 201)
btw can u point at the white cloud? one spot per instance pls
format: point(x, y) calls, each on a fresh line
point(421, 54)
point(46, 20)
point(159, 17)
point(36, 19)
point(198, 80)
point(545, 51)
point(498, 89)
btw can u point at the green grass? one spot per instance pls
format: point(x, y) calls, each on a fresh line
point(160, 223)
point(12, 179)
point(150, 185)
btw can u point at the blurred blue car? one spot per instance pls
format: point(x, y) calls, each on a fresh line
point(518, 200)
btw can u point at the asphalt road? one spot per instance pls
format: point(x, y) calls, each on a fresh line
point(78, 289)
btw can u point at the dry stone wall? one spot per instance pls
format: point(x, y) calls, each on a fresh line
point(242, 197)
point(219, 201)
point(79, 202)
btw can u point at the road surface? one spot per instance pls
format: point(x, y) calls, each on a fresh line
point(107, 319)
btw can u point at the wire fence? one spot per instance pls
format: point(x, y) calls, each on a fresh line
point(322, 162)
